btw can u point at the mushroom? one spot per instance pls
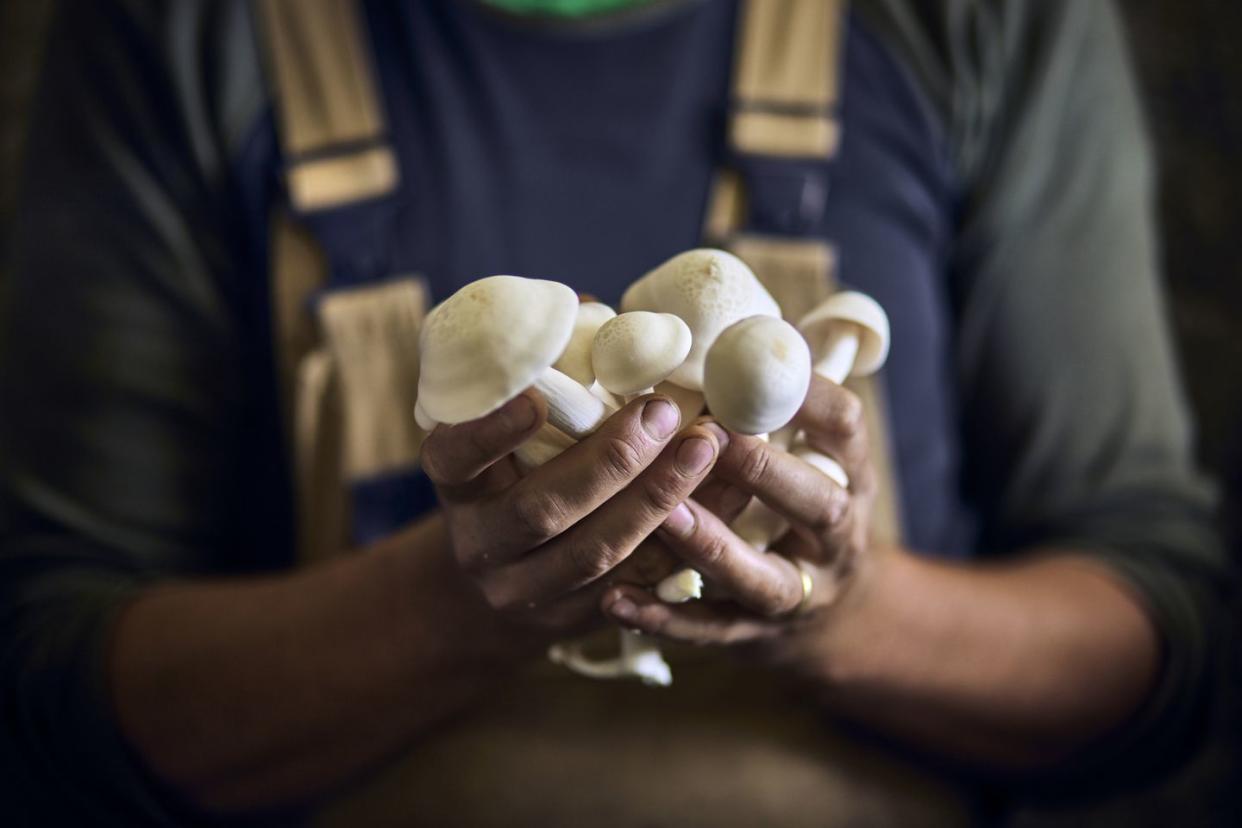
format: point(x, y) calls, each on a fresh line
point(631, 353)
point(848, 334)
point(636, 350)
point(756, 374)
point(575, 360)
point(495, 337)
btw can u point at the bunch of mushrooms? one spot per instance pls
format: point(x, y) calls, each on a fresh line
point(699, 328)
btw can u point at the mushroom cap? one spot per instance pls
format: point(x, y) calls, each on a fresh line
point(757, 374)
point(576, 359)
point(636, 350)
point(488, 341)
point(859, 309)
point(710, 290)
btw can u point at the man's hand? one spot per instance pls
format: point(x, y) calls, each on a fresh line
point(828, 536)
point(539, 546)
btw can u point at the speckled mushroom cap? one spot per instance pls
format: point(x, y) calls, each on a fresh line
point(710, 290)
point(576, 360)
point(757, 374)
point(636, 350)
point(859, 309)
point(488, 341)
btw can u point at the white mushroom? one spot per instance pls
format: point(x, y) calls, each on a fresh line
point(636, 350)
point(495, 337)
point(756, 374)
point(575, 360)
point(849, 336)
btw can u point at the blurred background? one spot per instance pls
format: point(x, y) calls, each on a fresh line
point(1189, 60)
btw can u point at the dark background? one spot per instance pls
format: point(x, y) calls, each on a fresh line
point(1189, 60)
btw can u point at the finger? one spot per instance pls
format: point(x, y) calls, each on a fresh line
point(722, 498)
point(455, 455)
point(763, 582)
point(692, 623)
point(832, 417)
point(564, 490)
point(796, 490)
point(597, 544)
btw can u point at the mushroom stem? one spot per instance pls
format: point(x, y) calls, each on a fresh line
point(545, 444)
point(840, 351)
point(571, 407)
point(640, 657)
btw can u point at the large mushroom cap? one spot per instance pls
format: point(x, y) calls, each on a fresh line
point(576, 360)
point(709, 290)
point(859, 309)
point(488, 341)
point(636, 350)
point(757, 374)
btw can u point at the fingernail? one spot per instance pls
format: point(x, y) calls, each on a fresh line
point(680, 521)
point(660, 419)
point(717, 430)
point(624, 609)
point(519, 413)
point(693, 455)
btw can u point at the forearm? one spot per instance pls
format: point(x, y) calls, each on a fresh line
point(1014, 665)
point(261, 692)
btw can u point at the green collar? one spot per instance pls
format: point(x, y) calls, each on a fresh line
point(563, 8)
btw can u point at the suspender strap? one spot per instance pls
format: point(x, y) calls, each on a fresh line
point(787, 80)
point(331, 123)
point(783, 128)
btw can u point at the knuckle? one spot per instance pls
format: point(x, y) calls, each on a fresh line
point(537, 514)
point(591, 560)
point(661, 498)
point(498, 595)
point(621, 458)
point(833, 508)
point(779, 597)
point(711, 550)
point(847, 415)
point(755, 463)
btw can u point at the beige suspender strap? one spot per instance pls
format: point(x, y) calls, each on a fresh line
point(787, 80)
point(787, 84)
point(332, 126)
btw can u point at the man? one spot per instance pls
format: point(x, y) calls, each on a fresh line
point(991, 189)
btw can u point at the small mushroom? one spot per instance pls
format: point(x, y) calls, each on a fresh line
point(575, 360)
point(848, 334)
point(636, 350)
point(495, 337)
point(756, 374)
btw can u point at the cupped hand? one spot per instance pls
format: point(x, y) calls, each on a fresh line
point(764, 594)
point(541, 546)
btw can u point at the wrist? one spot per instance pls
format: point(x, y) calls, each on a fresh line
point(841, 643)
point(444, 611)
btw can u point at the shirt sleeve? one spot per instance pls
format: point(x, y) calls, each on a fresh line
point(1077, 431)
point(121, 383)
